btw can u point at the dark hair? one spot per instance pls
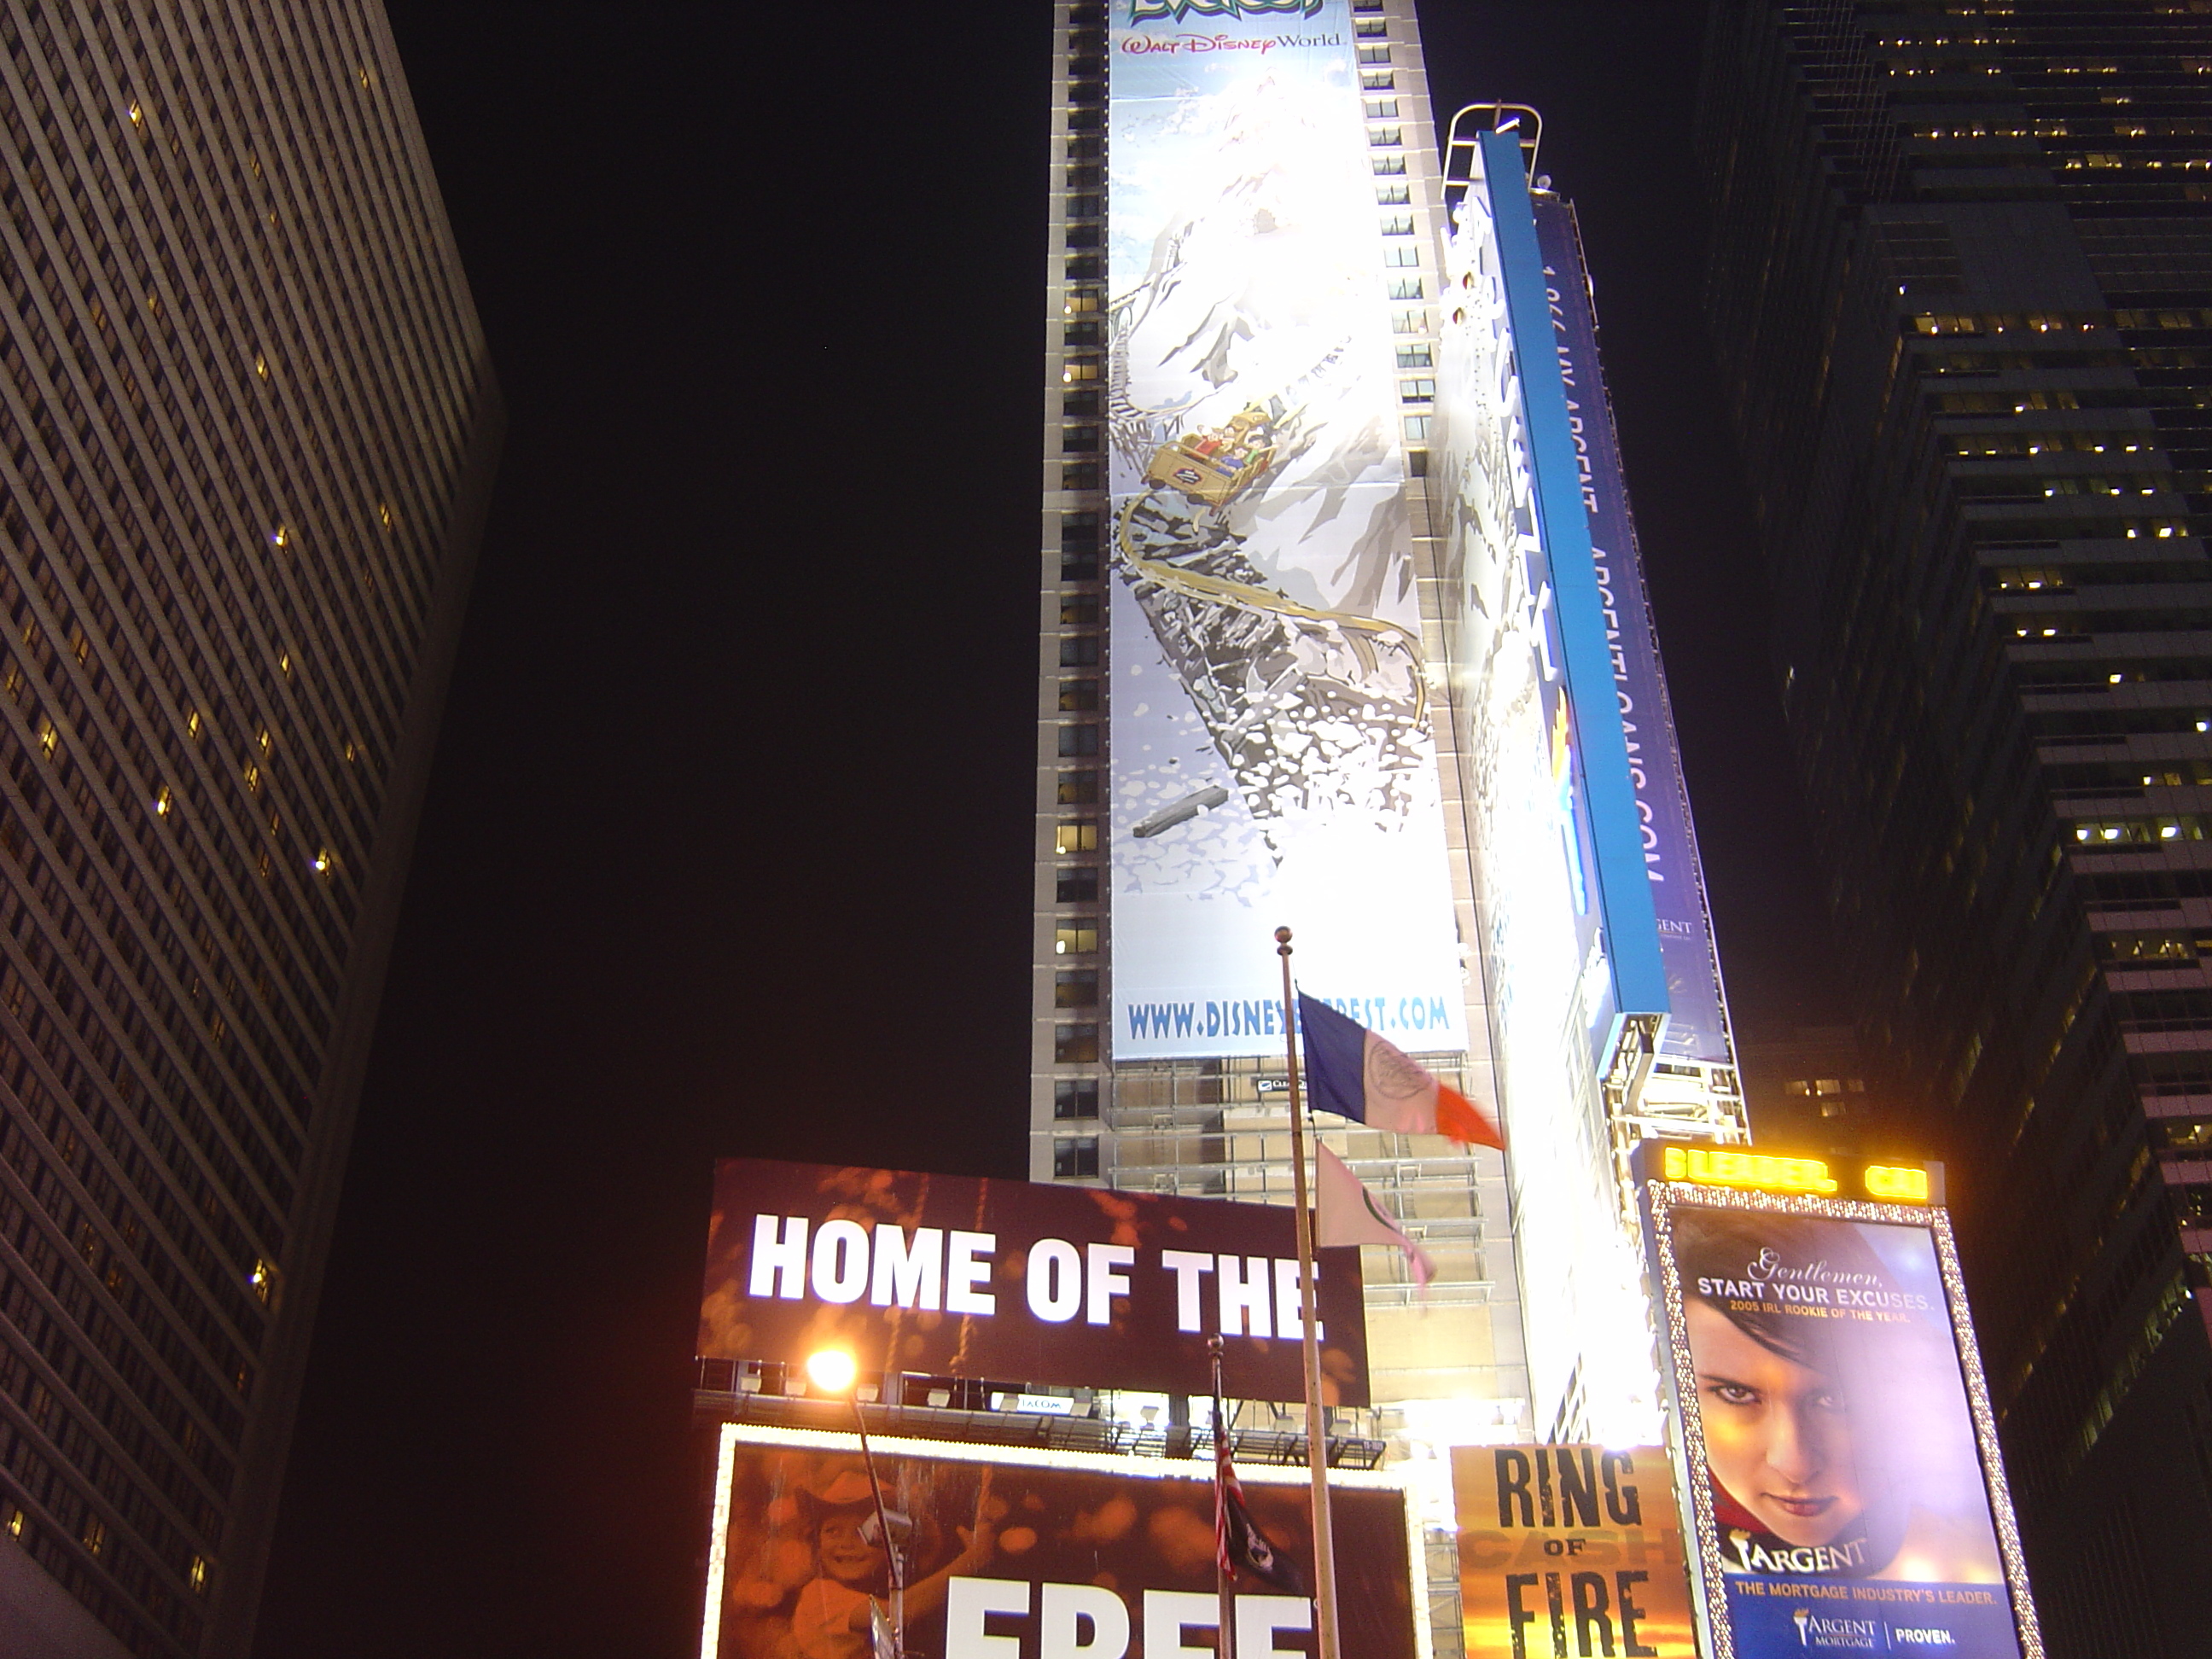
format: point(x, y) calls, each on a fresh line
point(1726, 1244)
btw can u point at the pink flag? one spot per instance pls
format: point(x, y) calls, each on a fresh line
point(1345, 1212)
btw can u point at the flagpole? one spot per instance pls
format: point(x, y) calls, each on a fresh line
point(1226, 1602)
point(1317, 1433)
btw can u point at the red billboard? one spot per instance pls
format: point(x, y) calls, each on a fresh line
point(1005, 1552)
point(1016, 1281)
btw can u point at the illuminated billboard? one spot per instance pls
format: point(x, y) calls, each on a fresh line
point(1570, 942)
point(1016, 1281)
point(1008, 1551)
point(1839, 1452)
point(1572, 1551)
point(1271, 700)
point(1697, 1024)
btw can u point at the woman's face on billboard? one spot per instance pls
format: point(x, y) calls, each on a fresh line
point(1777, 1435)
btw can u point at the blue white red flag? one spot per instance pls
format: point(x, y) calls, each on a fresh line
point(1354, 1073)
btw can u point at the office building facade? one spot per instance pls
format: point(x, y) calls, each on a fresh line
point(1960, 263)
point(1281, 478)
point(247, 428)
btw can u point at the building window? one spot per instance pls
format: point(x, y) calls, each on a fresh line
point(1374, 54)
point(1417, 429)
point(1414, 356)
point(1398, 224)
point(1385, 137)
point(1075, 1157)
point(1077, 836)
point(1075, 938)
point(1075, 1096)
point(1370, 29)
point(1075, 740)
point(1386, 165)
point(1075, 1045)
point(1079, 440)
point(1078, 696)
point(1080, 789)
point(1376, 81)
point(1421, 391)
point(1079, 651)
point(1079, 475)
point(1078, 369)
point(1078, 610)
point(1393, 195)
point(1079, 886)
point(1409, 322)
point(1075, 988)
point(1382, 109)
point(1406, 288)
point(1084, 268)
point(1083, 333)
point(1079, 566)
point(1402, 255)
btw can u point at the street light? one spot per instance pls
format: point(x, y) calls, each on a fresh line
point(835, 1371)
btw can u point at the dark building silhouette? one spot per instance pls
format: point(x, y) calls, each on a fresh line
point(1961, 290)
point(246, 429)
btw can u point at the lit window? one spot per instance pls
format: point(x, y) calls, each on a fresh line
point(324, 862)
point(198, 1572)
point(1078, 836)
point(1078, 937)
point(192, 724)
point(161, 801)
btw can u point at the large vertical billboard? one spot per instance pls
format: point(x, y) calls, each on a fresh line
point(1008, 1551)
point(1697, 1024)
point(1270, 701)
point(1550, 954)
point(1841, 1458)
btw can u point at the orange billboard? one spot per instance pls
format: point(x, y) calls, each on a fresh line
point(1571, 1552)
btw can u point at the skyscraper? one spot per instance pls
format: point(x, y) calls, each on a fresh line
point(1342, 629)
point(1959, 264)
point(247, 428)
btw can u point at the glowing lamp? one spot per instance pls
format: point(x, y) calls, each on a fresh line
point(831, 1369)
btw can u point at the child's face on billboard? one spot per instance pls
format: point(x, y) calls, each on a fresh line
point(1778, 1436)
point(847, 1556)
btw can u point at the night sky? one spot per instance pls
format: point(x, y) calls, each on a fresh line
point(727, 846)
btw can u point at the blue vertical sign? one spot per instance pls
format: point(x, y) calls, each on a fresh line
point(1632, 925)
point(1697, 1028)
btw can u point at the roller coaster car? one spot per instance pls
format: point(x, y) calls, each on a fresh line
point(1215, 467)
